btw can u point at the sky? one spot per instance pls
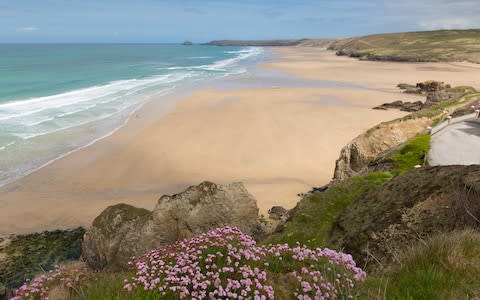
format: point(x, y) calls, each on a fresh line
point(157, 21)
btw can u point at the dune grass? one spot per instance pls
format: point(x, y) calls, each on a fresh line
point(446, 266)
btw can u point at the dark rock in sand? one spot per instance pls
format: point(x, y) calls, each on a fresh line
point(404, 86)
point(403, 106)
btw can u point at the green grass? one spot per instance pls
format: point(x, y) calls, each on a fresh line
point(110, 286)
point(28, 255)
point(441, 45)
point(411, 154)
point(316, 213)
point(446, 266)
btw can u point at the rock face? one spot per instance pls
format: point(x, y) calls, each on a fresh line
point(356, 155)
point(418, 203)
point(436, 97)
point(432, 86)
point(123, 231)
point(403, 106)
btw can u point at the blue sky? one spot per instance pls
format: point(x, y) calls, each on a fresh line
point(204, 20)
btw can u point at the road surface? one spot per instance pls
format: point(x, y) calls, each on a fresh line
point(457, 144)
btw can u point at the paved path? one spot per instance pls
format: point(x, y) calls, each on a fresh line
point(458, 144)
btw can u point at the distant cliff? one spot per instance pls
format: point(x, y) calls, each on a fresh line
point(256, 43)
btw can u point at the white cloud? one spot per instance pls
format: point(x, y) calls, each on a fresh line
point(28, 29)
point(436, 14)
point(448, 23)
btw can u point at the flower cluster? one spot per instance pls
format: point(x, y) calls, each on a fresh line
point(227, 264)
point(39, 287)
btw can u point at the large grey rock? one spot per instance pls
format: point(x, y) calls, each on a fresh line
point(123, 231)
point(356, 156)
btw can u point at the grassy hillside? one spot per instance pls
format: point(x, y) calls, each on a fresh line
point(445, 266)
point(315, 215)
point(428, 46)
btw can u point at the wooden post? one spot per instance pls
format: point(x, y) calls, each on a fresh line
point(478, 113)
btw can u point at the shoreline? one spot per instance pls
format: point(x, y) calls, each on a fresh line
point(85, 134)
point(122, 167)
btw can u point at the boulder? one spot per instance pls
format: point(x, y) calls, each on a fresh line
point(123, 231)
point(277, 212)
point(356, 156)
point(432, 86)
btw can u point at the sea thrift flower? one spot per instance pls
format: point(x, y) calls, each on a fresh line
point(228, 264)
point(39, 287)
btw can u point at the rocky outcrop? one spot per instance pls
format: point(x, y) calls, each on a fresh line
point(356, 155)
point(403, 106)
point(412, 206)
point(436, 97)
point(123, 231)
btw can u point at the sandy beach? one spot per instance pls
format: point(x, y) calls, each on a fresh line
point(279, 141)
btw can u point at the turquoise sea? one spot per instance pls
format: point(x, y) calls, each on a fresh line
point(57, 98)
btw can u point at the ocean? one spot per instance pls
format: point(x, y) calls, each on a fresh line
point(55, 98)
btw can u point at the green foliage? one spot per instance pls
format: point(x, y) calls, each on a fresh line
point(110, 286)
point(411, 154)
point(316, 213)
point(28, 255)
point(446, 266)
